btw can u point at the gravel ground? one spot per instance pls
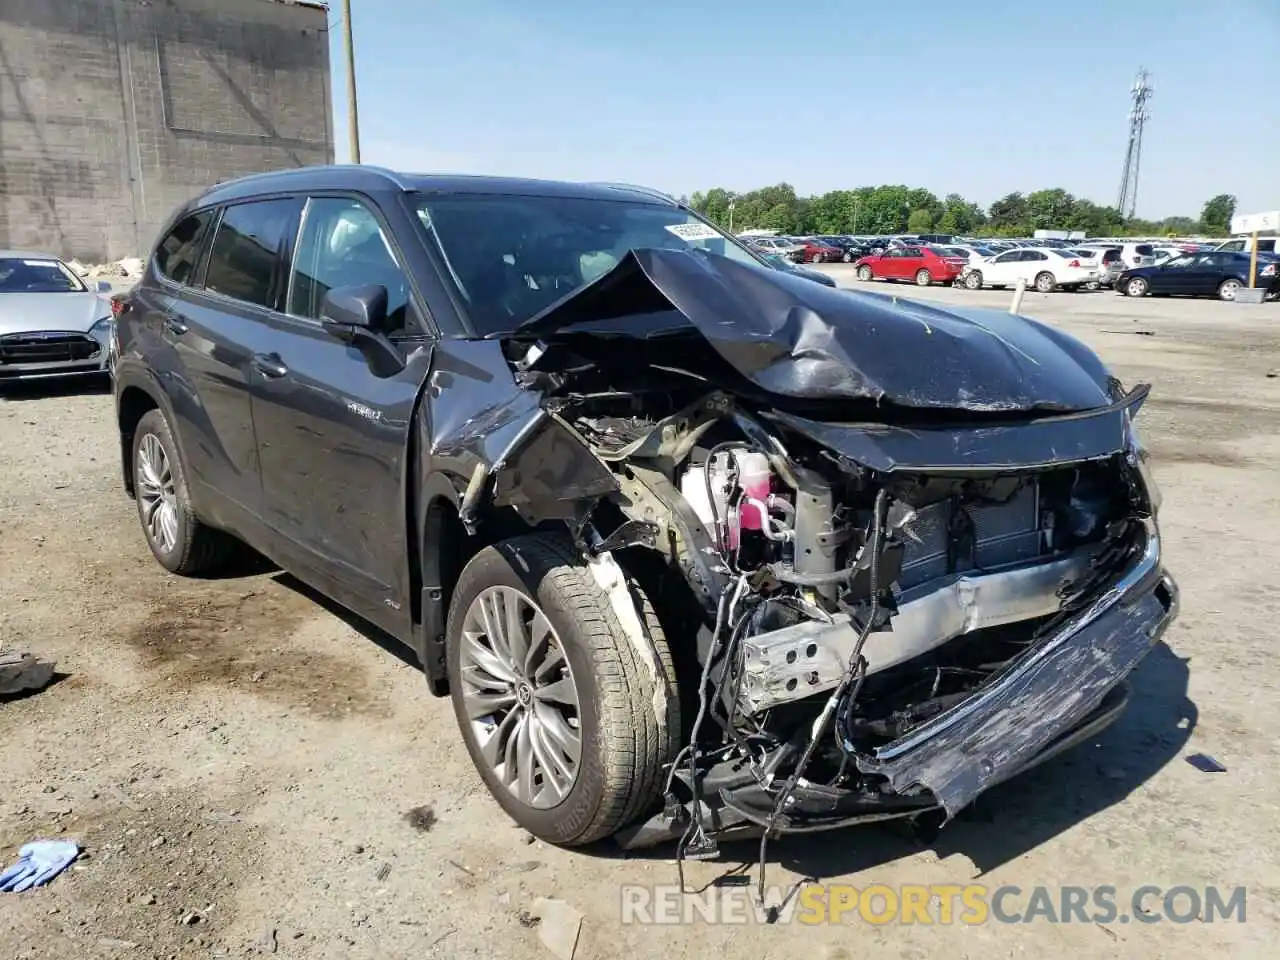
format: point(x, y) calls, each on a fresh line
point(252, 771)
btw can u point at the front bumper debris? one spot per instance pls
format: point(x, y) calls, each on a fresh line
point(1064, 689)
point(1053, 688)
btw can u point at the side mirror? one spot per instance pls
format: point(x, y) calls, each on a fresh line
point(358, 316)
point(346, 310)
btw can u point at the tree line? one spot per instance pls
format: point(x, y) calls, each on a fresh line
point(900, 209)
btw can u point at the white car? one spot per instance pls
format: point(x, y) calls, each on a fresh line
point(52, 324)
point(781, 246)
point(1131, 254)
point(973, 253)
point(1045, 269)
point(1106, 260)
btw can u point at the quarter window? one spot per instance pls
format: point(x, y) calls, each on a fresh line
point(246, 250)
point(178, 254)
point(343, 245)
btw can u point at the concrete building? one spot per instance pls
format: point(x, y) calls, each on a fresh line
point(113, 112)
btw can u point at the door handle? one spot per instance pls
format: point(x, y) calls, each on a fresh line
point(175, 326)
point(269, 365)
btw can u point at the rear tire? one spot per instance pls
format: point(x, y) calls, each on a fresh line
point(1045, 282)
point(923, 278)
point(848, 257)
point(622, 744)
point(180, 542)
point(865, 274)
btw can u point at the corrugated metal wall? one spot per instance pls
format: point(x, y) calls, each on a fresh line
point(113, 112)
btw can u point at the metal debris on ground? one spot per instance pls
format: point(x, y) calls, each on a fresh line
point(1205, 763)
point(38, 863)
point(21, 672)
point(559, 927)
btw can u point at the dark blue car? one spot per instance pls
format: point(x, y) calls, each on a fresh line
point(1217, 273)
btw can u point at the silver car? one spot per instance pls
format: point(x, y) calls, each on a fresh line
point(51, 323)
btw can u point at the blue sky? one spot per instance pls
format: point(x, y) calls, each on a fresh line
point(979, 97)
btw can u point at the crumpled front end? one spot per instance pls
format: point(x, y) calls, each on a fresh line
point(880, 604)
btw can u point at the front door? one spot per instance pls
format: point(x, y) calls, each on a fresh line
point(1176, 276)
point(333, 435)
point(911, 263)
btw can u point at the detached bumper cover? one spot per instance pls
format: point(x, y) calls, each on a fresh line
point(1040, 699)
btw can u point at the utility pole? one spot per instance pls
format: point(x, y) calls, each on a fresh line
point(353, 111)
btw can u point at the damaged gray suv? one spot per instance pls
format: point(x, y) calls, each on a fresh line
point(697, 547)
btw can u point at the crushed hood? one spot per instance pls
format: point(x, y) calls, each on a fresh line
point(794, 338)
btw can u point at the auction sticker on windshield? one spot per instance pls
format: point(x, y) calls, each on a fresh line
point(694, 231)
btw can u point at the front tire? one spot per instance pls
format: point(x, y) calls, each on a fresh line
point(865, 274)
point(923, 278)
point(555, 703)
point(848, 257)
point(1137, 287)
point(1045, 282)
point(180, 542)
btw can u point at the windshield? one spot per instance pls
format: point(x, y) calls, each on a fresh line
point(37, 276)
point(510, 257)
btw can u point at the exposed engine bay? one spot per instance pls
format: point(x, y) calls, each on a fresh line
point(896, 603)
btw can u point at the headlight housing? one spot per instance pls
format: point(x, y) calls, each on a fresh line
point(1139, 459)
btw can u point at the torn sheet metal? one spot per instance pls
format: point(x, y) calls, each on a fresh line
point(801, 340)
point(1055, 687)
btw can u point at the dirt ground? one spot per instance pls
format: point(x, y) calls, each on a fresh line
point(243, 763)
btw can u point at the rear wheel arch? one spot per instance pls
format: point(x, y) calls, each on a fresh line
point(133, 403)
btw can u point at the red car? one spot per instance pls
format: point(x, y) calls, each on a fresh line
point(923, 264)
point(818, 251)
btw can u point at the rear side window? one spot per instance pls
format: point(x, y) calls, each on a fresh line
point(243, 262)
point(178, 254)
point(1144, 250)
point(1111, 256)
point(1266, 245)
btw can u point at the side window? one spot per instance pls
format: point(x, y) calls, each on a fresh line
point(1035, 255)
point(178, 254)
point(246, 250)
point(1233, 245)
point(1007, 257)
point(1266, 245)
point(912, 252)
point(342, 245)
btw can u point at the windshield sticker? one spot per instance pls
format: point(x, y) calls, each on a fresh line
point(694, 231)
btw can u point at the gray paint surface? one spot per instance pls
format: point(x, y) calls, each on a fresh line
point(114, 112)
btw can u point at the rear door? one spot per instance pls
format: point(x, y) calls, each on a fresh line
point(333, 434)
point(213, 329)
point(1209, 270)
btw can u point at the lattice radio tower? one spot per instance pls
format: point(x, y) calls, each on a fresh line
point(1138, 117)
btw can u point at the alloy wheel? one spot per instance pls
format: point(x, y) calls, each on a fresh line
point(157, 494)
point(520, 697)
point(1137, 287)
point(1228, 289)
